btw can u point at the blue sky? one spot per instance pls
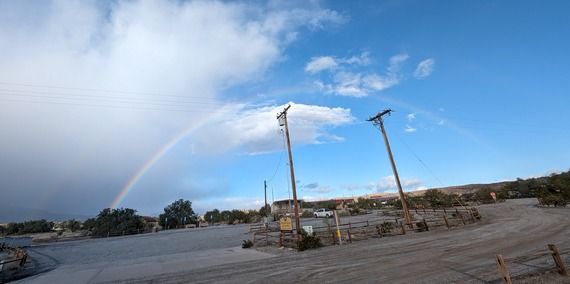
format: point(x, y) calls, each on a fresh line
point(139, 103)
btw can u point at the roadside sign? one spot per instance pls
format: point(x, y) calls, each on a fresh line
point(285, 224)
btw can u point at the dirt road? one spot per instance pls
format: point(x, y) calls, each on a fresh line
point(461, 255)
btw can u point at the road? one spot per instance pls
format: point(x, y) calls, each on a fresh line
point(461, 255)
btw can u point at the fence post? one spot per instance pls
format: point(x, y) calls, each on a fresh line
point(446, 223)
point(403, 230)
point(379, 230)
point(558, 260)
point(425, 224)
point(462, 219)
point(472, 215)
point(503, 269)
point(444, 212)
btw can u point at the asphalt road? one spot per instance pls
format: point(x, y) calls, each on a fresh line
point(461, 255)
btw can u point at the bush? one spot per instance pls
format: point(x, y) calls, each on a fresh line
point(309, 241)
point(29, 227)
point(115, 222)
point(421, 226)
point(355, 211)
point(247, 244)
point(385, 228)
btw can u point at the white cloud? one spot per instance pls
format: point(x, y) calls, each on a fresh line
point(411, 117)
point(409, 129)
point(362, 59)
point(255, 130)
point(424, 69)
point(346, 82)
point(388, 183)
point(135, 74)
point(324, 18)
point(396, 62)
point(318, 64)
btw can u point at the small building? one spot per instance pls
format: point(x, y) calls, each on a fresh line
point(151, 223)
point(285, 206)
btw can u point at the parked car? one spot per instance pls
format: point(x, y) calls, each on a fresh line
point(323, 212)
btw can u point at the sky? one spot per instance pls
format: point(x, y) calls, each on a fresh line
point(135, 104)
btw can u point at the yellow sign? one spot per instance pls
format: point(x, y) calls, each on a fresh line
point(286, 224)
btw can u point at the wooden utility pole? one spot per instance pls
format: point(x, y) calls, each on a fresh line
point(296, 209)
point(378, 121)
point(265, 191)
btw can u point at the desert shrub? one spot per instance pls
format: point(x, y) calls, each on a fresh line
point(355, 211)
point(247, 244)
point(421, 226)
point(552, 199)
point(306, 214)
point(309, 241)
point(385, 227)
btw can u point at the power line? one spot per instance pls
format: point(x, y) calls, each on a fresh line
point(280, 157)
point(419, 159)
point(100, 90)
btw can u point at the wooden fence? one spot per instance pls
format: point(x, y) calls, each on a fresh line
point(16, 257)
point(395, 225)
point(391, 224)
point(553, 250)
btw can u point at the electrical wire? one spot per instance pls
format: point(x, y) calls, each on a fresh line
point(421, 161)
point(280, 157)
point(36, 94)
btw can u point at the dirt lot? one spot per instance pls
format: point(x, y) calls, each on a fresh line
point(461, 255)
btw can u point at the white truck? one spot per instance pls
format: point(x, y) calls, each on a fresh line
point(323, 213)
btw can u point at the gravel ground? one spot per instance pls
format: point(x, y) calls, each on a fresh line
point(464, 254)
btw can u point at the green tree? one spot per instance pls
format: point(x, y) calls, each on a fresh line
point(436, 198)
point(213, 216)
point(29, 227)
point(89, 224)
point(226, 216)
point(239, 215)
point(265, 210)
point(72, 225)
point(178, 214)
point(115, 222)
point(365, 203)
point(14, 228)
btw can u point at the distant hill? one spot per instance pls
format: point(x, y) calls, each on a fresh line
point(19, 214)
point(461, 189)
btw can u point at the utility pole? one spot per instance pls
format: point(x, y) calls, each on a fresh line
point(378, 121)
point(283, 115)
point(265, 190)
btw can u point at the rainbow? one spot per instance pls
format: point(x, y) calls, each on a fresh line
point(154, 158)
